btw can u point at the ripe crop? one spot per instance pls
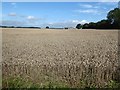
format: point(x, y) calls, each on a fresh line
point(68, 58)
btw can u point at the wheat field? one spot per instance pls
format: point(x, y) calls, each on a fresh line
point(60, 58)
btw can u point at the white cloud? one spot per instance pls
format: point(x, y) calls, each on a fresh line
point(13, 4)
point(86, 5)
point(12, 14)
point(92, 11)
point(31, 18)
point(84, 21)
point(21, 20)
point(78, 21)
point(89, 6)
point(88, 11)
point(13, 23)
point(75, 21)
point(108, 0)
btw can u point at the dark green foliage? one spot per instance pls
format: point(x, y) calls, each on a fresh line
point(18, 82)
point(47, 27)
point(92, 25)
point(103, 24)
point(86, 26)
point(66, 28)
point(114, 18)
point(79, 26)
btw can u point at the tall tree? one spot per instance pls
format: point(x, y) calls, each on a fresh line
point(114, 17)
point(79, 26)
point(47, 27)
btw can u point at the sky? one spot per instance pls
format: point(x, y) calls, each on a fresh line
point(54, 14)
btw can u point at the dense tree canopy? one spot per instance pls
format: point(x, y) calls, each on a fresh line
point(85, 26)
point(79, 26)
point(47, 27)
point(103, 24)
point(114, 17)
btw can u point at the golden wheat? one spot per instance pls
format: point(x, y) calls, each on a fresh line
point(74, 57)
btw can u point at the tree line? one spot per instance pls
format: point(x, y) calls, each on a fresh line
point(18, 27)
point(112, 22)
